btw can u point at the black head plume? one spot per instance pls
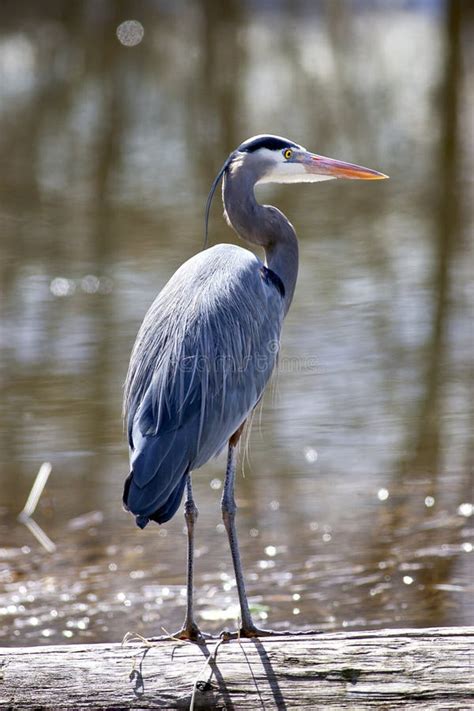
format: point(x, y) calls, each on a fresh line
point(211, 195)
point(266, 140)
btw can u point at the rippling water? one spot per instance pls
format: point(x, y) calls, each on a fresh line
point(355, 503)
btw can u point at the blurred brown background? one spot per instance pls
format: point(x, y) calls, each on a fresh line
point(356, 502)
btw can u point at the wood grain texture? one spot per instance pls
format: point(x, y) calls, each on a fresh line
point(386, 669)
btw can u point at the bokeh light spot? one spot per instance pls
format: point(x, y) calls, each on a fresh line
point(465, 509)
point(383, 494)
point(130, 33)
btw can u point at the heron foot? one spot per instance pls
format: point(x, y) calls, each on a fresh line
point(192, 633)
point(248, 632)
point(251, 632)
point(188, 633)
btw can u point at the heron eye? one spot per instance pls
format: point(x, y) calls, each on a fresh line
point(287, 153)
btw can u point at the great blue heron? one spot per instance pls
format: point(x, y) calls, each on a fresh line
point(209, 343)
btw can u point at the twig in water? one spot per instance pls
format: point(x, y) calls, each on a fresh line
point(25, 516)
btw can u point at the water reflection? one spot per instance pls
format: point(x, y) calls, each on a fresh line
point(355, 508)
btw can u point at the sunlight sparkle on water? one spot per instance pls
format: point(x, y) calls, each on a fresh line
point(466, 510)
point(90, 284)
point(214, 615)
point(130, 33)
point(8, 610)
point(60, 286)
point(310, 455)
point(408, 580)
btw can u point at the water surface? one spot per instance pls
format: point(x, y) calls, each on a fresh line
point(355, 502)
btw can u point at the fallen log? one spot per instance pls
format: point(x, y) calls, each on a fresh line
point(386, 669)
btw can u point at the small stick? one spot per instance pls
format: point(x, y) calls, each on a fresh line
point(32, 502)
point(36, 490)
point(39, 534)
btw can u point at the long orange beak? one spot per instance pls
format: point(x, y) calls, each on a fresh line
point(320, 165)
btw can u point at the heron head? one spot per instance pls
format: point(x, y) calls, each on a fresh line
point(273, 159)
point(277, 160)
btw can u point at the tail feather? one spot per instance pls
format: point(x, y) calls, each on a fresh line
point(163, 513)
point(166, 512)
point(154, 488)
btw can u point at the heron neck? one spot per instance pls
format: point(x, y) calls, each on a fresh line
point(262, 225)
point(282, 258)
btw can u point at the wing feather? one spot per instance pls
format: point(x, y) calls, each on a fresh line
point(202, 358)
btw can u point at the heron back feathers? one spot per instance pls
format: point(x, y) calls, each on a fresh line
point(201, 360)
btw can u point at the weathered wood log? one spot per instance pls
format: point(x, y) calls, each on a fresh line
point(387, 669)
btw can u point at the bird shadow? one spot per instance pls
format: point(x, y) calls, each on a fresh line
point(215, 687)
point(270, 675)
point(136, 676)
point(203, 687)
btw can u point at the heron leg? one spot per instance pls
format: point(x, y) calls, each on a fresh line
point(190, 629)
point(228, 516)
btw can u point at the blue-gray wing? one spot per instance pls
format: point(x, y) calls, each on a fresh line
point(202, 358)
